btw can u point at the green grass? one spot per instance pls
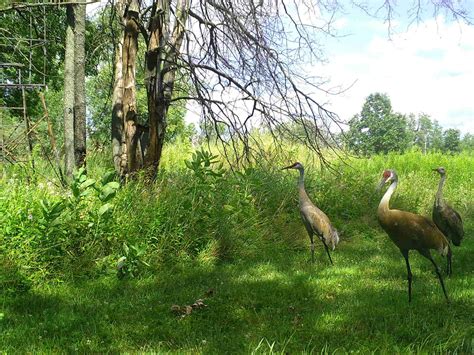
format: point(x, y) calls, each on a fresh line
point(358, 304)
point(243, 240)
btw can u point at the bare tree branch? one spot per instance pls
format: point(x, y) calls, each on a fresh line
point(26, 5)
point(251, 67)
point(246, 63)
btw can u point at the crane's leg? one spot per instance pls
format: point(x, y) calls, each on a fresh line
point(427, 254)
point(312, 247)
point(409, 274)
point(327, 250)
point(449, 269)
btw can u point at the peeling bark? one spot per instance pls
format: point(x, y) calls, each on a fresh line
point(163, 50)
point(130, 159)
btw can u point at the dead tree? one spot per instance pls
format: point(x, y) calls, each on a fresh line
point(247, 64)
point(240, 62)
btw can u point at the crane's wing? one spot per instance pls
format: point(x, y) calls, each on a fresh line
point(317, 222)
point(454, 220)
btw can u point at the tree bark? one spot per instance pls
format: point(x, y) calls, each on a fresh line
point(80, 86)
point(117, 96)
point(69, 80)
point(130, 159)
point(161, 66)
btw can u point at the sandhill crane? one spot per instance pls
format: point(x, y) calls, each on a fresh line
point(410, 231)
point(444, 216)
point(315, 220)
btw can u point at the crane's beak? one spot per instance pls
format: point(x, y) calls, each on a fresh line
point(435, 170)
point(381, 184)
point(287, 167)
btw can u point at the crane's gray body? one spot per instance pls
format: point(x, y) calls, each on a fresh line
point(445, 217)
point(314, 220)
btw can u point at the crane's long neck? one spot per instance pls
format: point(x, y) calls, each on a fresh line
point(384, 203)
point(302, 192)
point(439, 194)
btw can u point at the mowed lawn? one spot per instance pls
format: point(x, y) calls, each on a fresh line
point(279, 302)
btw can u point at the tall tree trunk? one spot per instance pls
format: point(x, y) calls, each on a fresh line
point(80, 85)
point(161, 66)
point(130, 160)
point(69, 94)
point(117, 96)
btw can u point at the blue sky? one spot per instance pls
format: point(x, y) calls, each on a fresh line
point(426, 67)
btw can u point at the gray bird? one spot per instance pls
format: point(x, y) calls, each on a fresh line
point(315, 220)
point(410, 231)
point(445, 217)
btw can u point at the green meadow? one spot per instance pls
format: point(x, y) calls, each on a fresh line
point(219, 261)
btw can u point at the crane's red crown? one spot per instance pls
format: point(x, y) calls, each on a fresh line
point(387, 174)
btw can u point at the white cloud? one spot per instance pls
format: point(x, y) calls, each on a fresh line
point(424, 69)
point(94, 7)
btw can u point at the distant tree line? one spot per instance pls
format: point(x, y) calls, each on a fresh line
point(378, 129)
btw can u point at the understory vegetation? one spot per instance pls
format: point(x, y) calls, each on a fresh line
point(214, 261)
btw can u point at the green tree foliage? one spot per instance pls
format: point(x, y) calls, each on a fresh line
point(51, 23)
point(467, 142)
point(17, 28)
point(423, 130)
point(17, 32)
point(377, 129)
point(177, 127)
point(428, 134)
point(452, 140)
point(437, 136)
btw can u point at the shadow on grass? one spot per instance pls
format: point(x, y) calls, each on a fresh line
point(359, 304)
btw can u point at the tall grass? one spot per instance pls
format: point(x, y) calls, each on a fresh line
point(227, 216)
